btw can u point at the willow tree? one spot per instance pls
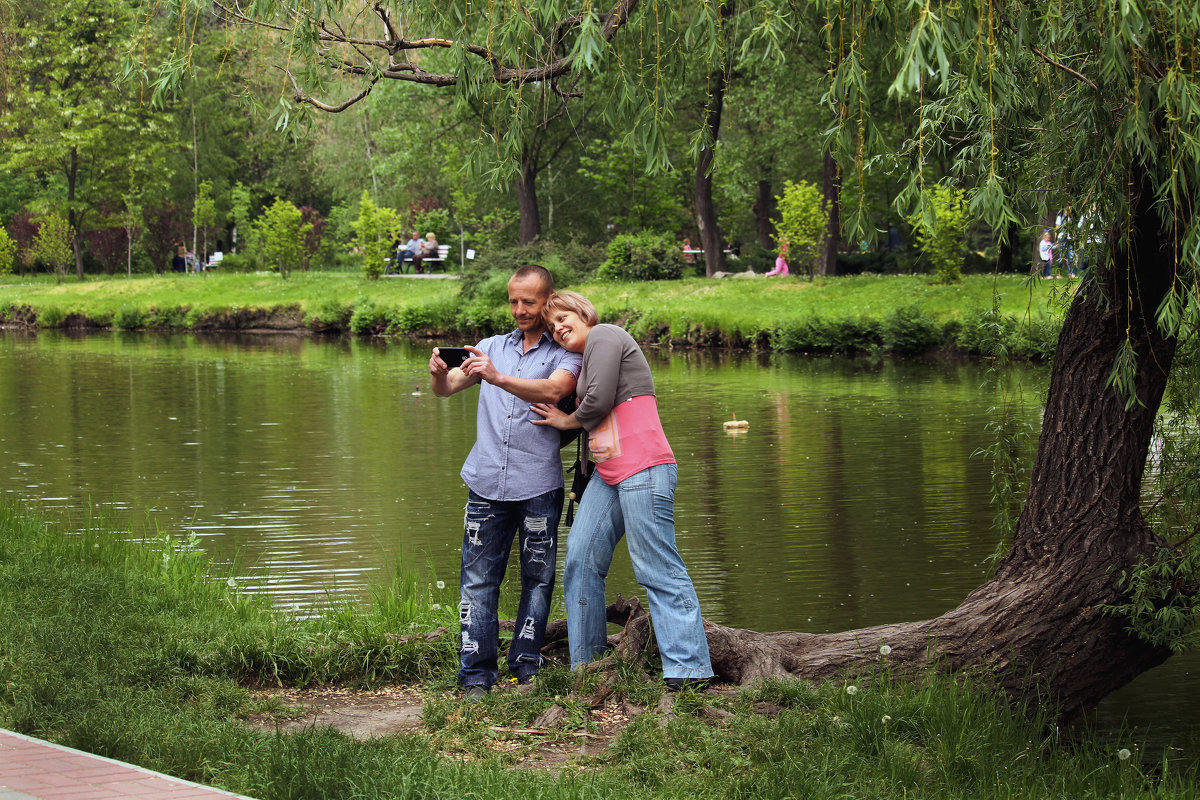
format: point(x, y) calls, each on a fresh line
point(1076, 101)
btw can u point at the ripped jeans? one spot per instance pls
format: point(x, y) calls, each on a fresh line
point(489, 527)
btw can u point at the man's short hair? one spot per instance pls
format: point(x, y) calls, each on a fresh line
point(536, 271)
point(571, 301)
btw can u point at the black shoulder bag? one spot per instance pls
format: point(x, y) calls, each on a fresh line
point(581, 472)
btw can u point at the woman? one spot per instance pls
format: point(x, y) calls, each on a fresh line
point(781, 265)
point(631, 493)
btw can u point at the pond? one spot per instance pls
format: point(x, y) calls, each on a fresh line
point(316, 467)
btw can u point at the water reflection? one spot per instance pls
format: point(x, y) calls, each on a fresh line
point(853, 498)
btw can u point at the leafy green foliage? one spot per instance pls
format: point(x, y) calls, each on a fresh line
point(375, 229)
point(8, 252)
point(52, 243)
point(908, 330)
point(279, 234)
point(939, 228)
point(802, 222)
point(644, 256)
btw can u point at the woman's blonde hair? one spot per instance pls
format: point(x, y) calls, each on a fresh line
point(570, 301)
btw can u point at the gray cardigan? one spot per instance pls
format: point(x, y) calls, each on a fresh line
point(614, 370)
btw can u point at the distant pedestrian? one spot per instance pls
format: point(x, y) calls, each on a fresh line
point(1046, 254)
point(781, 265)
point(179, 257)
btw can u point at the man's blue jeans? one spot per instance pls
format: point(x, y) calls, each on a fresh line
point(489, 528)
point(642, 509)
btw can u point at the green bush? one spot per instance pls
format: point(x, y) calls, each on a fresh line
point(237, 262)
point(375, 230)
point(802, 222)
point(51, 317)
point(908, 330)
point(821, 334)
point(644, 256)
point(328, 315)
point(367, 319)
point(939, 228)
point(127, 318)
point(280, 232)
point(8, 252)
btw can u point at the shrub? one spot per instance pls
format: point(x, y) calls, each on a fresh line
point(642, 256)
point(802, 222)
point(375, 230)
point(51, 317)
point(8, 252)
point(939, 227)
point(127, 318)
point(909, 330)
point(52, 244)
point(236, 262)
point(367, 319)
point(281, 232)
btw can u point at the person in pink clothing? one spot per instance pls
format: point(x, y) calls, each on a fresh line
point(781, 267)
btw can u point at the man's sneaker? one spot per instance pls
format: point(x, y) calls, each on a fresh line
point(676, 684)
point(475, 693)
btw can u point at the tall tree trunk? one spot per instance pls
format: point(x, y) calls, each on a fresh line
point(1037, 626)
point(527, 202)
point(1004, 260)
point(711, 239)
point(764, 209)
point(831, 191)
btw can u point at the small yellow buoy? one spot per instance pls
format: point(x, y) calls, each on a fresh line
point(736, 424)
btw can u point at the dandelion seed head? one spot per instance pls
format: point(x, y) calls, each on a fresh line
point(441, 584)
point(1124, 754)
point(231, 583)
point(852, 689)
point(885, 650)
point(436, 606)
point(886, 719)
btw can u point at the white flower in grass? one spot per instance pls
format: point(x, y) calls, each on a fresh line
point(441, 584)
point(886, 719)
point(1123, 754)
point(436, 606)
point(852, 689)
point(885, 650)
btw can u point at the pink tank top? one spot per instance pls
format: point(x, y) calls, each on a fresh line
point(629, 440)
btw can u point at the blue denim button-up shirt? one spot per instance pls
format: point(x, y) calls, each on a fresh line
point(513, 459)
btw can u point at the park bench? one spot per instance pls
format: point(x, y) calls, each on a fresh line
point(442, 251)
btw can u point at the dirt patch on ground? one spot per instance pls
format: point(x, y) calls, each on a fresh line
point(549, 743)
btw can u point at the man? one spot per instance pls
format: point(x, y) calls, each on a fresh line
point(411, 248)
point(515, 481)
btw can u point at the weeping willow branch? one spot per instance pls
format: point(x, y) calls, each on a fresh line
point(556, 64)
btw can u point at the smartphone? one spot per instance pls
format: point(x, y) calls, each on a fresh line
point(454, 356)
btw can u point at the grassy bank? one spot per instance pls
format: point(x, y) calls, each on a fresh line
point(134, 651)
point(906, 314)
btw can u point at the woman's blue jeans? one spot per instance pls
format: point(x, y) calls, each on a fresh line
point(489, 528)
point(642, 509)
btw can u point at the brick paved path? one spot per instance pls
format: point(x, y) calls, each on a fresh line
point(31, 769)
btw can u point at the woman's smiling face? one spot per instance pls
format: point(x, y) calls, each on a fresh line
point(569, 330)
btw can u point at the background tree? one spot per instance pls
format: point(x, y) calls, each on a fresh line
point(8, 252)
point(279, 234)
point(52, 244)
point(73, 123)
point(802, 224)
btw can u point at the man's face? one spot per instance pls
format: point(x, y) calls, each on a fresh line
point(525, 300)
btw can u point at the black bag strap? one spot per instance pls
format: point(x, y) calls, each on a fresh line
point(580, 468)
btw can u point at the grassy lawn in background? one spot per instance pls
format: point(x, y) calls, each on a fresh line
point(901, 313)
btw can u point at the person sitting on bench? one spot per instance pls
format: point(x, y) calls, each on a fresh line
point(428, 249)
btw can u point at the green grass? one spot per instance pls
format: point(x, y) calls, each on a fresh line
point(907, 313)
point(133, 650)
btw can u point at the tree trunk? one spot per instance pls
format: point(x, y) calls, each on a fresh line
point(1004, 260)
point(706, 214)
point(1036, 628)
point(527, 202)
point(831, 190)
point(764, 209)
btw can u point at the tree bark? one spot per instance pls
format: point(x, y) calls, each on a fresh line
point(711, 239)
point(831, 190)
point(1004, 259)
point(1036, 629)
point(764, 209)
point(527, 202)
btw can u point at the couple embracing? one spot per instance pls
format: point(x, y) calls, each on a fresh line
point(515, 482)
